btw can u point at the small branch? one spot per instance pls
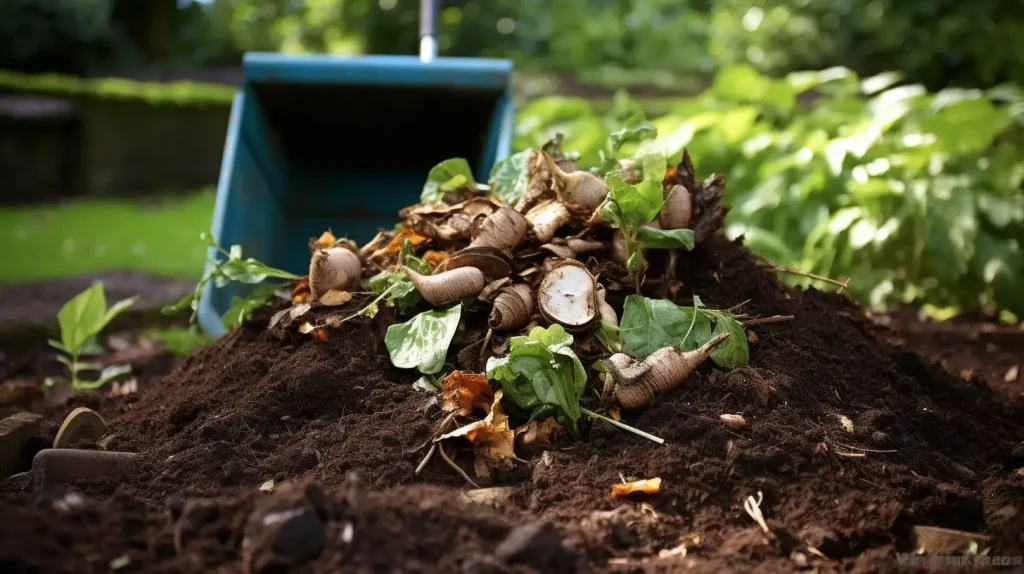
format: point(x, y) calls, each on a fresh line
point(782, 269)
point(426, 459)
point(622, 426)
point(433, 447)
point(455, 467)
point(768, 320)
point(850, 454)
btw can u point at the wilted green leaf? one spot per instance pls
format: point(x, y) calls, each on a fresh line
point(636, 128)
point(651, 238)
point(509, 177)
point(243, 307)
point(447, 176)
point(422, 342)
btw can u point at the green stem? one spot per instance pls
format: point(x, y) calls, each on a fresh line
point(75, 383)
point(372, 303)
point(622, 426)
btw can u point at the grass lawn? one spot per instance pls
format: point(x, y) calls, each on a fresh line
point(158, 235)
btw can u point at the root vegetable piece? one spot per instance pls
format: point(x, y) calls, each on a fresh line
point(568, 295)
point(678, 209)
point(604, 310)
point(493, 262)
point(448, 286)
point(579, 187)
point(547, 218)
point(636, 385)
point(619, 253)
point(581, 246)
point(512, 308)
point(563, 251)
point(503, 229)
point(334, 268)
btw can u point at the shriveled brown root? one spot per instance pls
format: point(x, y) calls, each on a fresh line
point(448, 286)
point(512, 308)
point(638, 384)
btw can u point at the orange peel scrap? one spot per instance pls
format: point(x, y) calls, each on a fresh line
point(646, 486)
point(300, 292)
point(462, 392)
point(435, 258)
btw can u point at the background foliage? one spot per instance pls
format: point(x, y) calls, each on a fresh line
point(915, 195)
point(937, 42)
point(898, 163)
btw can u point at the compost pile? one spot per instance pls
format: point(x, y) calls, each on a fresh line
point(571, 381)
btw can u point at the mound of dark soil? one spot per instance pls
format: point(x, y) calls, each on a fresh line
point(925, 448)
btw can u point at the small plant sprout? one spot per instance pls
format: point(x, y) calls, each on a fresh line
point(81, 319)
point(234, 268)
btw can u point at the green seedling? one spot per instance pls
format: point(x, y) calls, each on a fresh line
point(234, 268)
point(81, 319)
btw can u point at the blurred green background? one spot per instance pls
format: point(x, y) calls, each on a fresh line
point(872, 139)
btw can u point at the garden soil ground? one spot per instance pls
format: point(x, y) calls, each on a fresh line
point(338, 430)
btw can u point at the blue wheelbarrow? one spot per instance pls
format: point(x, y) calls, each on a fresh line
point(317, 142)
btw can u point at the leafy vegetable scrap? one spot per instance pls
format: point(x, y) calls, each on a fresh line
point(543, 376)
point(422, 342)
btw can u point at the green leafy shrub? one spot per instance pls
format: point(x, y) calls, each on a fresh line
point(917, 196)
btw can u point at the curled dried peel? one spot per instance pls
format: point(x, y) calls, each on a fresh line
point(647, 486)
point(462, 392)
point(394, 247)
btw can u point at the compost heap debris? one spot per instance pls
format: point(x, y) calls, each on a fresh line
point(508, 340)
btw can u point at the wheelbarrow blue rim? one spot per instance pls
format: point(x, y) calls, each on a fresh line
point(481, 73)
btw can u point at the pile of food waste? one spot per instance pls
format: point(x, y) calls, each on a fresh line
point(559, 370)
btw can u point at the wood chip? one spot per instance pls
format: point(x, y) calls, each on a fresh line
point(1011, 374)
point(335, 297)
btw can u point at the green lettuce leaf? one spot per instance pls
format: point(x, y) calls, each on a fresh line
point(651, 324)
point(542, 374)
point(422, 342)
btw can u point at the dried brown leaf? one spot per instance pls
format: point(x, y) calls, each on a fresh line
point(300, 292)
point(435, 258)
point(647, 486)
point(335, 297)
point(394, 247)
point(318, 333)
point(493, 440)
point(537, 432)
point(462, 392)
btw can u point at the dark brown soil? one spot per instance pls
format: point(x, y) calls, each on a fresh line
point(968, 346)
point(927, 448)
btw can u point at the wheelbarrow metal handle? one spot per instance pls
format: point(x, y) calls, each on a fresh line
point(428, 30)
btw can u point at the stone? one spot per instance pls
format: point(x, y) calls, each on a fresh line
point(15, 433)
point(66, 465)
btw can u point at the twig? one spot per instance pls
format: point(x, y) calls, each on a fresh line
point(850, 454)
point(782, 269)
point(837, 443)
point(622, 426)
point(487, 339)
point(426, 459)
point(430, 453)
point(455, 467)
point(768, 320)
